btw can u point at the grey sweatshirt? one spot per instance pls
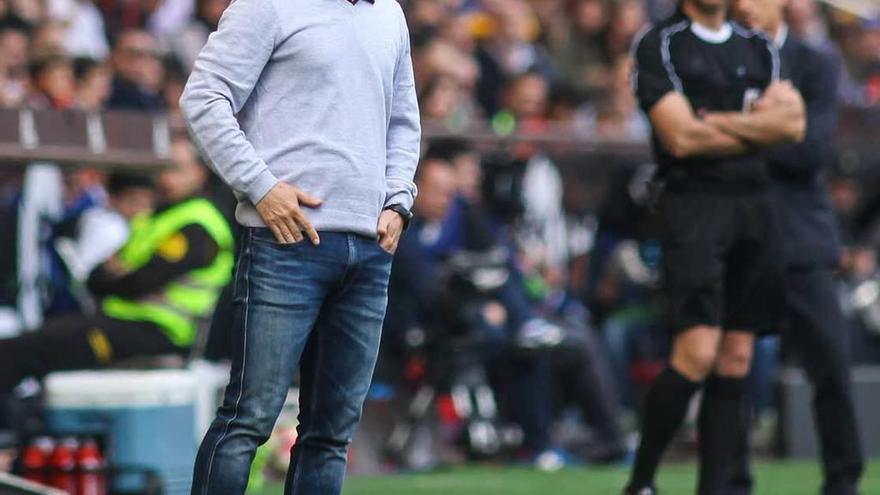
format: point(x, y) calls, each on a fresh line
point(316, 93)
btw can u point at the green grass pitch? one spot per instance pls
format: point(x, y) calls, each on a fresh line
point(773, 478)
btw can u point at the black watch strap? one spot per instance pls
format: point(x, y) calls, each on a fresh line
point(403, 212)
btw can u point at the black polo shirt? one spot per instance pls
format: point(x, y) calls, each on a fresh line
point(724, 70)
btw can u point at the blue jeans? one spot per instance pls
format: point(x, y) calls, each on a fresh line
point(316, 309)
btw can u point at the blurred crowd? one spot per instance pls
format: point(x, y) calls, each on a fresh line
point(582, 280)
point(509, 61)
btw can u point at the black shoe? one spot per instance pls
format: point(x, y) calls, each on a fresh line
point(646, 490)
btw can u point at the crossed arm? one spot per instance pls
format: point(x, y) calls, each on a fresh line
point(777, 117)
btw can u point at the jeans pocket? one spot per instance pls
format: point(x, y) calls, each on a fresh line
point(264, 235)
point(384, 251)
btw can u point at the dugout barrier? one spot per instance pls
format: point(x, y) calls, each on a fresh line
point(136, 140)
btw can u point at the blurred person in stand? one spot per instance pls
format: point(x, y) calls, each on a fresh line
point(860, 44)
point(160, 17)
point(82, 190)
point(553, 18)
point(94, 81)
point(445, 78)
point(564, 105)
point(627, 18)
point(523, 107)
point(172, 86)
point(459, 30)
point(581, 377)
point(32, 12)
point(441, 58)
point(578, 54)
point(508, 48)
point(616, 114)
point(48, 37)
point(188, 42)
point(425, 17)
point(152, 292)
point(451, 219)
point(444, 100)
point(53, 83)
point(542, 224)
point(445, 223)
point(14, 45)
point(622, 281)
point(441, 228)
point(138, 72)
point(85, 240)
point(14, 80)
point(85, 34)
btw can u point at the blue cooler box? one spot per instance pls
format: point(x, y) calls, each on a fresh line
point(149, 418)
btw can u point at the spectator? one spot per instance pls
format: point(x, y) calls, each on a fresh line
point(31, 12)
point(85, 31)
point(172, 86)
point(439, 58)
point(121, 16)
point(53, 82)
point(188, 42)
point(138, 72)
point(508, 49)
point(48, 37)
point(93, 236)
point(13, 64)
point(14, 45)
point(466, 163)
point(616, 115)
point(861, 49)
point(425, 17)
point(578, 54)
point(627, 19)
point(93, 84)
point(525, 97)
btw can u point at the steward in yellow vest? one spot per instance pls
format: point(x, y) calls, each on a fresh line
point(153, 293)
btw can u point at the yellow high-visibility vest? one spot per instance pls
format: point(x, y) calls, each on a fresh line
point(180, 304)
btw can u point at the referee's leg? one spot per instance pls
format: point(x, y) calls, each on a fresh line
point(695, 239)
point(723, 413)
point(819, 335)
point(694, 352)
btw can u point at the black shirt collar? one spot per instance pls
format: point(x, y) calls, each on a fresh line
point(356, 1)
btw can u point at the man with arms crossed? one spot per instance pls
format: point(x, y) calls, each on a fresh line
point(712, 92)
point(307, 109)
point(816, 326)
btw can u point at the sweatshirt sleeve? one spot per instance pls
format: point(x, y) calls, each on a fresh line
point(404, 133)
point(223, 77)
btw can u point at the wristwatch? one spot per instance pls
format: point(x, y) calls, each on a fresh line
point(403, 212)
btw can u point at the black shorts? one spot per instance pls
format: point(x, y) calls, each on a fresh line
point(722, 261)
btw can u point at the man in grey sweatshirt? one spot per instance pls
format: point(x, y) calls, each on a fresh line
point(307, 109)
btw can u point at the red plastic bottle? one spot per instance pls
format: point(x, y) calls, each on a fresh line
point(91, 464)
point(62, 466)
point(35, 460)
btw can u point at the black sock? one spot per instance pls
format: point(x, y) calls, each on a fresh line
point(722, 427)
point(665, 408)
